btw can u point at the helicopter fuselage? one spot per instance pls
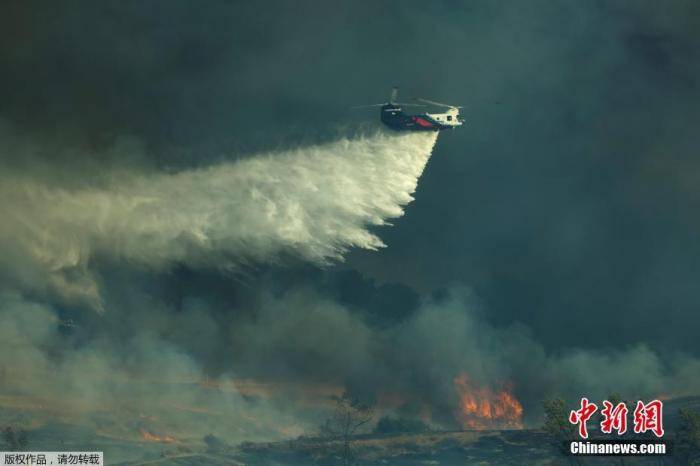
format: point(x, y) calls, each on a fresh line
point(395, 118)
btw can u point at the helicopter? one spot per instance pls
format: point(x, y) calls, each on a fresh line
point(393, 116)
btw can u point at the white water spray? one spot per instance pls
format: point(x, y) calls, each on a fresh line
point(313, 203)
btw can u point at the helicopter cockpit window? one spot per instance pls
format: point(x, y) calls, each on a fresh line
point(449, 117)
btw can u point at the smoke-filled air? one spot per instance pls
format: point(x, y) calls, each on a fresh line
point(228, 222)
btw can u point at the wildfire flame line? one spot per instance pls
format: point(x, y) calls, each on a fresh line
point(147, 436)
point(486, 408)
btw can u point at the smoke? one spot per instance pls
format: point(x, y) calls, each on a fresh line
point(120, 388)
point(187, 366)
point(411, 367)
point(284, 358)
point(581, 218)
point(313, 203)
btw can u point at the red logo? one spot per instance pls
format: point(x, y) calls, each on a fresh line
point(649, 417)
point(614, 418)
point(582, 416)
point(646, 417)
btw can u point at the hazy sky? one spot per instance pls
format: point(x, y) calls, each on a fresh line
point(563, 214)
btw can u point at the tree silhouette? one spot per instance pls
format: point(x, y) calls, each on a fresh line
point(557, 425)
point(346, 420)
point(687, 438)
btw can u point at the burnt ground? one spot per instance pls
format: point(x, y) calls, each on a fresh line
point(504, 447)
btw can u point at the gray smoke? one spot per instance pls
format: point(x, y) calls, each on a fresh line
point(286, 355)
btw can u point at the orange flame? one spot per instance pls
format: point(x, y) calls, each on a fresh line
point(147, 436)
point(485, 408)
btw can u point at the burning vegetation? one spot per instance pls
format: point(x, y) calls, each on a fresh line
point(486, 408)
point(147, 436)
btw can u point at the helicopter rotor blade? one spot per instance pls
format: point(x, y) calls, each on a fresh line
point(403, 104)
point(398, 104)
point(394, 95)
point(368, 106)
point(432, 102)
